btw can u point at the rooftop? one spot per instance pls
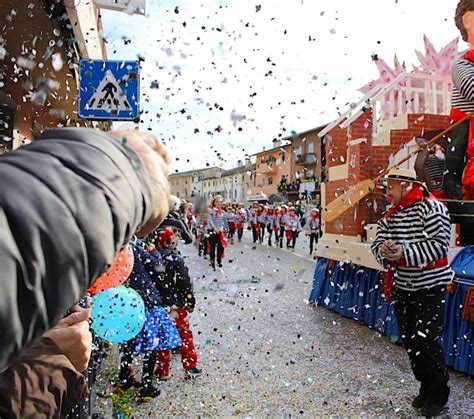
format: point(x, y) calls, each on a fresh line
point(196, 171)
point(271, 149)
point(239, 169)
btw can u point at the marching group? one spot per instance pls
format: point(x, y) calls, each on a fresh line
point(219, 224)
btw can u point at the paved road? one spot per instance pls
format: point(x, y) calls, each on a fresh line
point(264, 351)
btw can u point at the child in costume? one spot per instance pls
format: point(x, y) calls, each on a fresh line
point(241, 218)
point(159, 331)
point(281, 222)
point(312, 227)
point(177, 295)
point(262, 220)
point(293, 227)
point(270, 224)
point(253, 221)
point(230, 216)
point(217, 227)
point(202, 236)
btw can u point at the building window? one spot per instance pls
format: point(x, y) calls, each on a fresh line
point(283, 157)
point(270, 181)
point(311, 148)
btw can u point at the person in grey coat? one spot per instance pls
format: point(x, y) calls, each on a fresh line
point(68, 203)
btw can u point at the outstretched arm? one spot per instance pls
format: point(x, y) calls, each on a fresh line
point(68, 203)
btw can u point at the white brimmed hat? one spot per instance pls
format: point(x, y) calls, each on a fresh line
point(173, 203)
point(402, 174)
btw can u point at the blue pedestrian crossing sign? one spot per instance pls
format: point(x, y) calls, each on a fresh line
point(109, 89)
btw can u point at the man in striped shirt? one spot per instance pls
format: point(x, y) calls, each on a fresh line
point(459, 176)
point(412, 241)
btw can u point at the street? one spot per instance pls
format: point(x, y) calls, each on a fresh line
point(265, 351)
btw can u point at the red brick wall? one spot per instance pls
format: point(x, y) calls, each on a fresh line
point(368, 162)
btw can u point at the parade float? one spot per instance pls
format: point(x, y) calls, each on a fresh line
point(399, 115)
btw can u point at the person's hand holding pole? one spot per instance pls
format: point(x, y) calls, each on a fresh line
point(73, 338)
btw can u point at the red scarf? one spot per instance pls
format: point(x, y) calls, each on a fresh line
point(456, 115)
point(415, 195)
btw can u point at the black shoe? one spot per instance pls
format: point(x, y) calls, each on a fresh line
point(430, 410)
point(129, 382)
point(192, 373)
point(149, 392)
point(219, 264)
point(419, 401)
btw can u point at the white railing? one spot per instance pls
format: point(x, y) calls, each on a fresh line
point(408, 93)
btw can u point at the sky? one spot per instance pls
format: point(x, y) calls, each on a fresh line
point(220, 79)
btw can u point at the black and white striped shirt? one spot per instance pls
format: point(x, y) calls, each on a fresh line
point(217, 219)
point(462, 97)
point(424, 230)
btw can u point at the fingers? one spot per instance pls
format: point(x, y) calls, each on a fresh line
point(147, 138)
point(82, 338)
point(77, 317)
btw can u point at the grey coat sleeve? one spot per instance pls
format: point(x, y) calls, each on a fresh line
point(68, 203)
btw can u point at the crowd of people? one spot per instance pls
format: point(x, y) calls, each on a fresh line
point(218, 225)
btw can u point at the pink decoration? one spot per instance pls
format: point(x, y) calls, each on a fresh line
point(432, 62)
point(435, 63)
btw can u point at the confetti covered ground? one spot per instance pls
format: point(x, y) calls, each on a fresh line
point(265, 352)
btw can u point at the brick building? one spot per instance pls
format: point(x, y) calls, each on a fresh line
point(351, 156)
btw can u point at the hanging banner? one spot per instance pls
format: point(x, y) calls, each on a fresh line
point(309, 186)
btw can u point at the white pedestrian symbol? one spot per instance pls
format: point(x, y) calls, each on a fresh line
point(109, 96)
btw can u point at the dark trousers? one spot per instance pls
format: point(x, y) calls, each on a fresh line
point(255, 233)
point(126, 361)
point(216, 247)
point(420, 317)
point(282, 234)
point(203, 246)
point(313, 239)
point(270, 231)
point(240, 232)
point(261, 233)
